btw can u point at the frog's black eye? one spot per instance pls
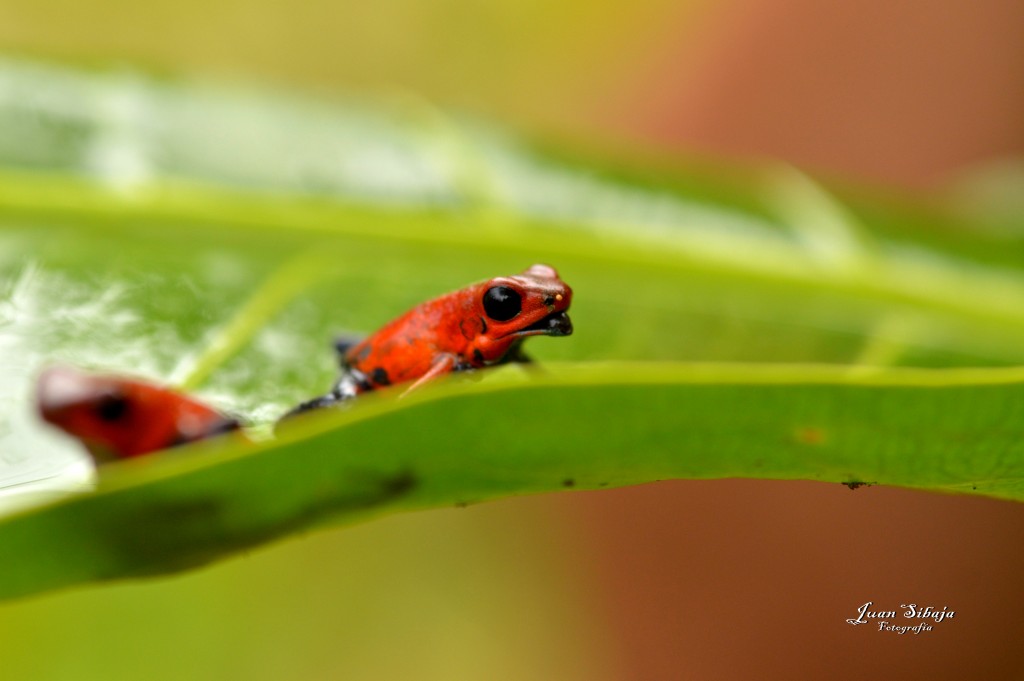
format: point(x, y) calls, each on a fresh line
point(502, 303)
point(112, 407)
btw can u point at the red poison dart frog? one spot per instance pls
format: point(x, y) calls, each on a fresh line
point(479, 326)
point(118, 418)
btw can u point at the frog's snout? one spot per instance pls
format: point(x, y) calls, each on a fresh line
point(559, 324)
point(555, 324)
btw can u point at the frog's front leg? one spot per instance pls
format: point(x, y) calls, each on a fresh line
point(517, 355)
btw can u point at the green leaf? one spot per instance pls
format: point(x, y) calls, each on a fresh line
point(216, 238)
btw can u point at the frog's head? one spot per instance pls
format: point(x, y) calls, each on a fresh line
point(533, 303)
point(117, 417)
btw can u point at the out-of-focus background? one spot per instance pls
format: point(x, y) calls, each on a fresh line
point(703, 580)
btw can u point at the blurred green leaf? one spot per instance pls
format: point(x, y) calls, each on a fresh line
point(217, 237)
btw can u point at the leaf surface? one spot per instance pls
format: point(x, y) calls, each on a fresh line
point(217, 238)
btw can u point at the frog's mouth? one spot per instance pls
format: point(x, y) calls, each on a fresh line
point(555, 324)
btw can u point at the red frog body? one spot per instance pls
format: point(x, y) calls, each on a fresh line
point(119, 418)
point(481, 325)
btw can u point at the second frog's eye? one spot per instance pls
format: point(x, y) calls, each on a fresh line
point(502, 303)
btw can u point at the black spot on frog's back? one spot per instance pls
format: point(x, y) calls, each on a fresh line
point(112, 408)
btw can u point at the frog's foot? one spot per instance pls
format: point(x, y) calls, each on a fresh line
point(329, 401)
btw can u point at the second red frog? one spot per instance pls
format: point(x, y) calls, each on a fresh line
point(120, 418)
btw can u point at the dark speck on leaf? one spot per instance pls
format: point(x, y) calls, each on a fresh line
point(854, 484)
point(401, 483)
point(568, 482)
point(461, 504)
